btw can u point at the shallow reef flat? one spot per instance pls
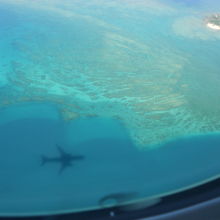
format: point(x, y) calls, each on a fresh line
point(96, 65)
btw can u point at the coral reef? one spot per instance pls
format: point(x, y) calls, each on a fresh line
point(90, 67)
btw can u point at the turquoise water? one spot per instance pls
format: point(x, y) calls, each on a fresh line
point(132, 86)
point(112, 163)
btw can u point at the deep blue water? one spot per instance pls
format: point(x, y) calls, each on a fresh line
point(112, 163)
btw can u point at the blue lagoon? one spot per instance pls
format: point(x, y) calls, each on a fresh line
point(133, 86)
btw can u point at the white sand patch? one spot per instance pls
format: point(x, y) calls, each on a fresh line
point(213, 26)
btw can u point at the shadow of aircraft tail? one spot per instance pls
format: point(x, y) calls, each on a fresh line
point(44, 159)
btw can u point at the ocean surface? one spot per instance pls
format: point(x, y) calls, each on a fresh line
point(131, 86)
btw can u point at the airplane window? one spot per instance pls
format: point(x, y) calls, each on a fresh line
point(107, 104)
